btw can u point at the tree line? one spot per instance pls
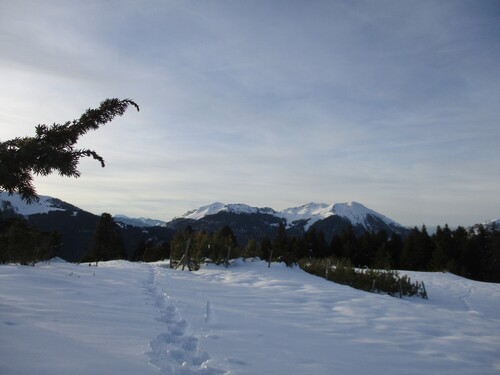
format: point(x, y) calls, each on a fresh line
point(25, 244)
point(473, 253)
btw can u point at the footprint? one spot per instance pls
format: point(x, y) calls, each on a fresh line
point(175, 351)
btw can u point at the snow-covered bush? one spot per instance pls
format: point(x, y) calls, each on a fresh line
point(371, 280)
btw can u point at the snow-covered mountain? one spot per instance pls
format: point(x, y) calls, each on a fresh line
point(492, 224)
point(140, 222)
point(45, 204)
point(308, 214)
point(355, 212)
point(215, 208)
point(253, 222)
point(303, 216)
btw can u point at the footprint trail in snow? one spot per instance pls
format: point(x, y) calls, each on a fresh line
point(175, 351)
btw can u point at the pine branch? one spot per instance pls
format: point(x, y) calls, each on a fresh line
point(52, 149)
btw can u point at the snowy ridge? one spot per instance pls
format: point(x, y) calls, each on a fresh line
point(492, 223)
point(217, 207)
point(312, 212)
point(44, 205)
point(357, 213)
point(140, 222)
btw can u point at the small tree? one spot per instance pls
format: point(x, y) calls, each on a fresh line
point(280, 243)
point(224, 243)
point(265, 249)
point(250, 250)
point(53, 149)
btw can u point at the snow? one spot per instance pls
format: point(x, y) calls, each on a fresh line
point(140, 222)
point(44, 205)
point(492, 223)
point(136, 318)
point(357, 213)
point(312, 212)
point(217, 207)
point(203, 211)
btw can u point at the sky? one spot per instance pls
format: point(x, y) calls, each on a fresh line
point(393, 104)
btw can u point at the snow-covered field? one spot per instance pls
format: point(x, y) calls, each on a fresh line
point(130, 318)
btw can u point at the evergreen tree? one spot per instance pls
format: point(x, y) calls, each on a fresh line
point(179, 243)
point(156, 251)
point(336, 247)
point(107, 243)
point(52, 149)
point(443, 246)
point(395, 248)
point(349, 243)
point(265, 249)
point(198, 248)
point(24, 244)
point(250, 250)
point(417, 250)
point(382, 258)
point(279, 245)
point(315, 240)
point(493, 271)
point(482, 251)
point(365, 251)
point(460, 240)
point(224, 242)
point(140, 249)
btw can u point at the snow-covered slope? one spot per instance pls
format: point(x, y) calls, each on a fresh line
point(492, 224)
point(47, 204)
point(44, 205)
point(355, 212)
point(138, 222)
point(310, 212)
point(135, 318)
point(217, 207)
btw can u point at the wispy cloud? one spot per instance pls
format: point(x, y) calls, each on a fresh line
point(268, 103)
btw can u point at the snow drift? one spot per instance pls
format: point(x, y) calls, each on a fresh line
point(132, 318)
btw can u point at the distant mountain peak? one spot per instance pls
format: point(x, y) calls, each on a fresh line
point(356, 213)
point(490, 223)
point(140, 222)
point(215, 208)
point(307, 214)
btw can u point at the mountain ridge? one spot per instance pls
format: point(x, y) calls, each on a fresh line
point(246, 222)
point(311, 212)
point(140, 222)
point(253, 222)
